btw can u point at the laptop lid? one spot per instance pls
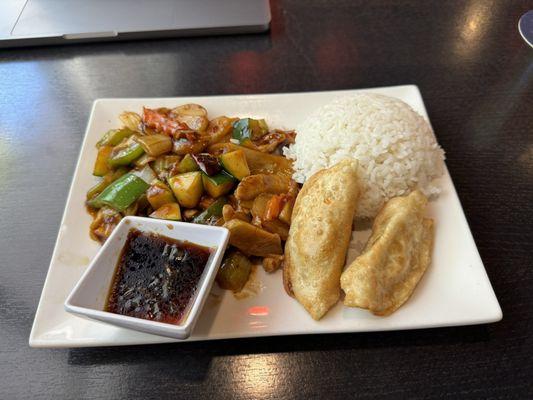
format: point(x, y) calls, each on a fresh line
point(56, 21)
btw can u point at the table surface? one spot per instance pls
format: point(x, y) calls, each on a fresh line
point(475, 74)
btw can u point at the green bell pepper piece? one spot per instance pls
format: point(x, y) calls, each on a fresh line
point(114, 137)
point(213, 211)
point(108, 178)
point(246, 129)
point(126, 155)
point(241, 130)
point(234, 271)
point(121, 193)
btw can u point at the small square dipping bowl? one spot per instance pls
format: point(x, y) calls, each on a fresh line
point(89, 296)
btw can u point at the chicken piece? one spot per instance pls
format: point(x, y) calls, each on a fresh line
point(190, 109)
point(244, 205)
point(253, 240)
point(272, 263)
point(252, 186)
point(276, 226)
point(240, 205)
point(229, 213)
point(192, 115)
point(270, 142)
point(188, 142)
point(259, 205)
point(219, 129)
point(395, 258)
point(198, 124)
point(104, 223)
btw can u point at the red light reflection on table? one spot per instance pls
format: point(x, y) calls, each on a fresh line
point(335, 53)
point(247, 69)
point(258, 311)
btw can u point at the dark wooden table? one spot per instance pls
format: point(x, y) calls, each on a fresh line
point(475, 74)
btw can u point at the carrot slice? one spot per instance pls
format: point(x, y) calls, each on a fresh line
point(274, 207)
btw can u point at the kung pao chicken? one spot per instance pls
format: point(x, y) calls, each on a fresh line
point(177, 164)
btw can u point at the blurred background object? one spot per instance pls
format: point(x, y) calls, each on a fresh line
point(525, 27)
point(41, 22)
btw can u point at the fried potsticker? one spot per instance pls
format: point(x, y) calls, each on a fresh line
point(395, 258)
point(319, 236)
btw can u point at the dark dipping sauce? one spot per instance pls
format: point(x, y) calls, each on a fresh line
point(156, 277)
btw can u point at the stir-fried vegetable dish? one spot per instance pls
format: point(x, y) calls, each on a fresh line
point(177, 164)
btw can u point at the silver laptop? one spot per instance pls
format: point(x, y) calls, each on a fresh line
point(39, 22)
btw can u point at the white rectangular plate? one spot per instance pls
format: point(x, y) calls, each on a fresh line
point(454, 291)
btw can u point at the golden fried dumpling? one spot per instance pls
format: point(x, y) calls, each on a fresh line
point(396, 256)
point(319, 236)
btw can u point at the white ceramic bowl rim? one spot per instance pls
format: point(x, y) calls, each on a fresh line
point(96, 281)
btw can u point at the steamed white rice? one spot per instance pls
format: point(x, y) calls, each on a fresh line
point(395, 146)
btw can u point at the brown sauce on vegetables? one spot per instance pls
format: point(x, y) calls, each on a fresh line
point(156, 277)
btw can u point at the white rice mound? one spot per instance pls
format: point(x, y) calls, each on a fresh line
point(395, 146)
